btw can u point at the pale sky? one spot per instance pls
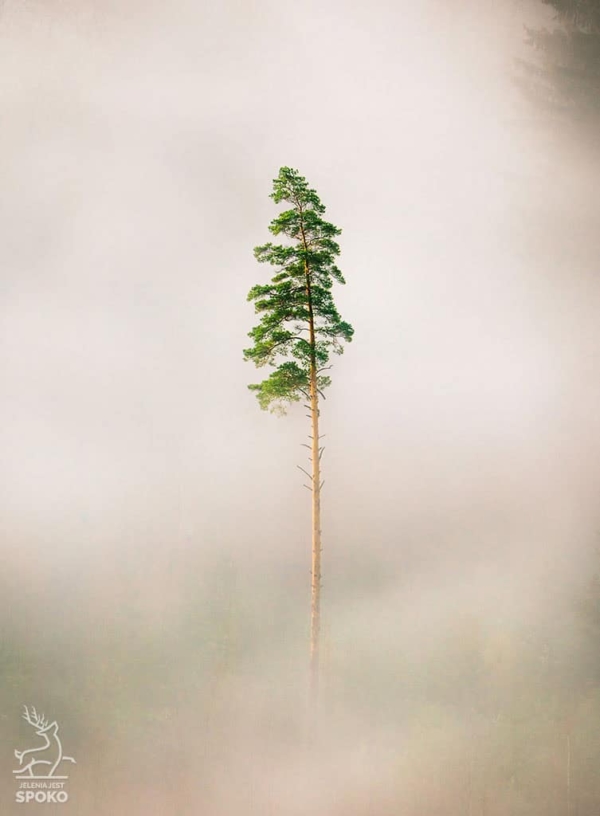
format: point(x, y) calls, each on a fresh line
point(138, 144)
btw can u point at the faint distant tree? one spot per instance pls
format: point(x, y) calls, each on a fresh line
point(564, 75)
point(299, 328)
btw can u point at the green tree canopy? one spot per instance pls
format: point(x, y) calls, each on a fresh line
point(300, 325)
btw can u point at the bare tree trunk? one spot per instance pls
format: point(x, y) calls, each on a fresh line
point(315, 448)
point(568, 773)
point(315, 602)
point(470, 780)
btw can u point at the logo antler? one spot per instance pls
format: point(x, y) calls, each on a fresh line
point(35, 719)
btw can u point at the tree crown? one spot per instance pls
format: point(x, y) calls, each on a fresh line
point(298, 316)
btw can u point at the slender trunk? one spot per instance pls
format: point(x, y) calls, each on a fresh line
point(315, 602)
point(568, 769)
point(470, 782)
point(315, 598)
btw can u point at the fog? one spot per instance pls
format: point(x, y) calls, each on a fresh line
point(155, 550)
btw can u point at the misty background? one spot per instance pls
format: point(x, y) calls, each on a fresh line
point(155, 556)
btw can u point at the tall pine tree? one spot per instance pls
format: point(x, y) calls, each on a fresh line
point(299, 328)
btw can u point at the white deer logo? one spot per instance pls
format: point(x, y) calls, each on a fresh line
point(49, 731)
